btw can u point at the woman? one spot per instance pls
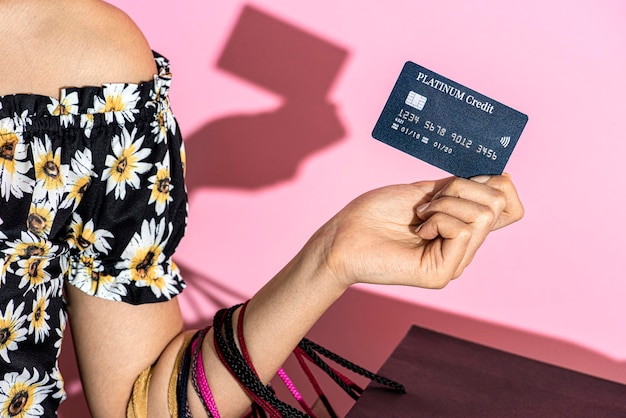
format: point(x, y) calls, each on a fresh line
point(92, 206)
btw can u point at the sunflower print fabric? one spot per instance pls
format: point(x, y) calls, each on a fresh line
point(91, 194)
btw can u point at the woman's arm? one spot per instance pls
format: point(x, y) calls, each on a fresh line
point(114, 342)
point(422, 234)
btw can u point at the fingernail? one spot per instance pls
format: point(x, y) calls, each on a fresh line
point(423, 207)
point(481, 179)
point(419, 227)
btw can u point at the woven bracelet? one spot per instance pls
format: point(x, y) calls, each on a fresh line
point(265, 401)
point(181, 384)
point(234, 361)
point(281, 373)
point(198, 377)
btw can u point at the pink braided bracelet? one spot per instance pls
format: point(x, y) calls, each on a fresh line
point(207, 396)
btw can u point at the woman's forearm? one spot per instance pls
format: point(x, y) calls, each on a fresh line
point(276, 319)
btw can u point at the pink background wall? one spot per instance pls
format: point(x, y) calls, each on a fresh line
point(277, 100)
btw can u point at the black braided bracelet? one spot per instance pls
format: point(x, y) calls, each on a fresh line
point(309, 346)
point(228, 354)
point(322, 365)
point(181, 383)
point(264, 399)
point(233, 359)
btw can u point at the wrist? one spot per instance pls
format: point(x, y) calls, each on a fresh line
point(325, 260)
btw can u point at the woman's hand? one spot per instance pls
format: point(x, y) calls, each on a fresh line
point(422, 234)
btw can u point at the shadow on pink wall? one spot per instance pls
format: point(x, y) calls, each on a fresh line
point(252, 151)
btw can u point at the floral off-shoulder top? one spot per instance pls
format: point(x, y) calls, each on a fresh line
point(91, 195)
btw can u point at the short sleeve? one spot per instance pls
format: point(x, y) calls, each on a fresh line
point(126, 203)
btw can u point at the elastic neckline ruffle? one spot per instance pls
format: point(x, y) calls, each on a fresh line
point(93, 102)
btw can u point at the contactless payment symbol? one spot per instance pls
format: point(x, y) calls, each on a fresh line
point(415, 100)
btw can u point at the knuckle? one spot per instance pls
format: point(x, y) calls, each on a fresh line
point(517, 212)
point(438, 217)
point(485, 217)
point(452, 188)
point(457, 273)
point(520, 212)
point(455, 185)
point(440, 282)
point(464, 233)
point(499, 200)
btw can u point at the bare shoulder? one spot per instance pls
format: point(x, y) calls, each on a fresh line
point(50, 45)
point(121, 47)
